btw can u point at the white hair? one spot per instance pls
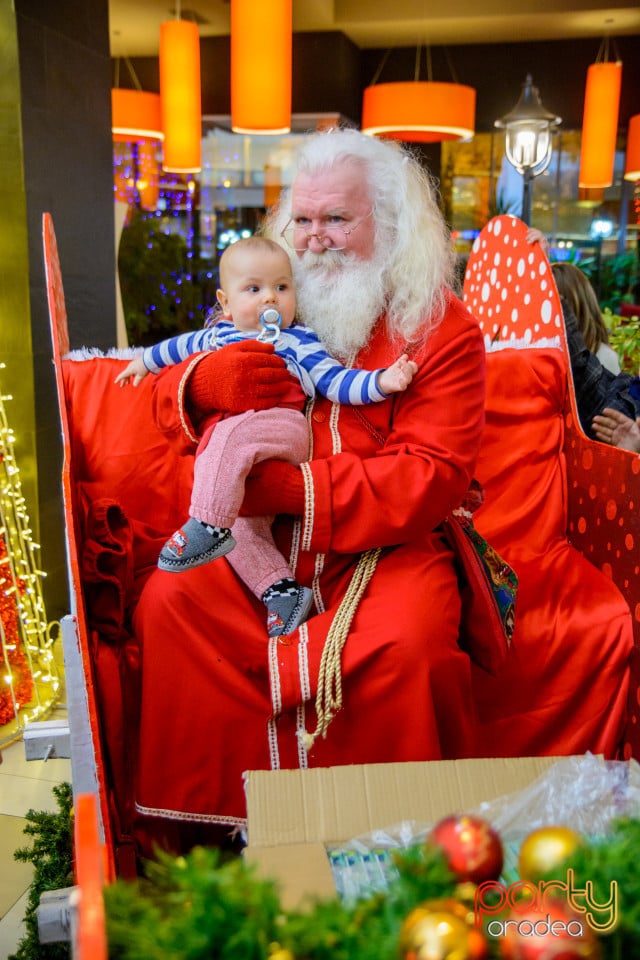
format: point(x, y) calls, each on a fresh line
point(411, 234)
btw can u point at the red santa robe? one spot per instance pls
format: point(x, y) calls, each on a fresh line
point(220, 698)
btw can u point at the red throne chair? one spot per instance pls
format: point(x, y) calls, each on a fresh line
point(559, 507)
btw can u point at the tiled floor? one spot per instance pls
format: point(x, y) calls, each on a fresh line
point(24, 785)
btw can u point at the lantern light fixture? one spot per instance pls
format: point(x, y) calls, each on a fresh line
point(528, 147)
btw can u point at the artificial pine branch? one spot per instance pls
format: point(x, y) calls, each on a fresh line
point(614, 859)
point(198, 907)
point(195, 906)
point(51, 854)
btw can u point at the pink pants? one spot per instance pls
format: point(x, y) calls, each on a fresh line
point(221, 467)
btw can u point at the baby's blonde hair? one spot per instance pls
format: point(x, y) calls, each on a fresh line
point(259, 244)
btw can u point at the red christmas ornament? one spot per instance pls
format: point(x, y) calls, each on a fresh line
point(553, 932)
point(472, 848)
point(477, 945)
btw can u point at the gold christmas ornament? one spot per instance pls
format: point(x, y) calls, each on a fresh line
point(441, 929)
point(546, 849)
point(438, 936)
point(465, 895)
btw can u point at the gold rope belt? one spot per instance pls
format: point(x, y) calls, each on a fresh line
point(329, 693)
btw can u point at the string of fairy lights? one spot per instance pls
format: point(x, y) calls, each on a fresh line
point(30, 682)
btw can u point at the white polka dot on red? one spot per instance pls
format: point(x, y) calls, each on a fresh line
point(504, 270)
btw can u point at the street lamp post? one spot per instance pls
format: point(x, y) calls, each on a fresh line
point(528, 130)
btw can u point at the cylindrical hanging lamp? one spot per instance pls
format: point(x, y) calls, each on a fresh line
point(180, 96)
point(135, 115)
point(632, 160)
point(136, 173)
point(600, 124)
point(261, 38)
point(419, 111)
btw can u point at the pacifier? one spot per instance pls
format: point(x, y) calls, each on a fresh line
point(270, 320)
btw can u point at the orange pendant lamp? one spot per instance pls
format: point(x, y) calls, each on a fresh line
point(261, 39)
point(419, 111)
point(136, 173)
point(180, 96)
point(632, 160)
point(600, 123)
point(135, 115)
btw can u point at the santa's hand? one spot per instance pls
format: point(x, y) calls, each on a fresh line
point(242, 376)
point(135, 370)
point(398, 376)
point(272, 487)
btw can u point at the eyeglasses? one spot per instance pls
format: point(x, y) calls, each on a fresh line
point(332, 236)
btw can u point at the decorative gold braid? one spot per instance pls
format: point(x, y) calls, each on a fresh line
point(329, 694)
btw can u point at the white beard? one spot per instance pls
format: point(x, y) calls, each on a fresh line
point(340, 298)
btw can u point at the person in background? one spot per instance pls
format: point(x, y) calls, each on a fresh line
point(574, 286)
point(596, 387)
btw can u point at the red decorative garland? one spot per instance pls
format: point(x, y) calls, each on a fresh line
point(15, 661)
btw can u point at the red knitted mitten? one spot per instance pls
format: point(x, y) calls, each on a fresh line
point(273, 486)
point(242, 376)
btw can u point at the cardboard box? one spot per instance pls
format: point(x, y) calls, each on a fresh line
point(292, 814)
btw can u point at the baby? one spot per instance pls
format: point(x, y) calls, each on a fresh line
point(257, 301)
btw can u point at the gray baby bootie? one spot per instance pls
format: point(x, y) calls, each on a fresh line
point(193, 544)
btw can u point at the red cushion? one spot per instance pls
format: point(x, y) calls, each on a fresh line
point(118, 452)
point(521, 466)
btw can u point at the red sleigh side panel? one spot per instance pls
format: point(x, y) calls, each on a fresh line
point(125, 490)
point(87, 757)
point(509, 287)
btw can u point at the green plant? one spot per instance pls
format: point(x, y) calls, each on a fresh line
point(612, 278)
point(51, 856)
point(161, 293)
point(624, 337)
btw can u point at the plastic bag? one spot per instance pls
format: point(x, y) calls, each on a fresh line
point(585, 793)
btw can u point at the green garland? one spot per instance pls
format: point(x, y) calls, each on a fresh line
point(608, 860)
point(201, 906)
point(211, 905)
